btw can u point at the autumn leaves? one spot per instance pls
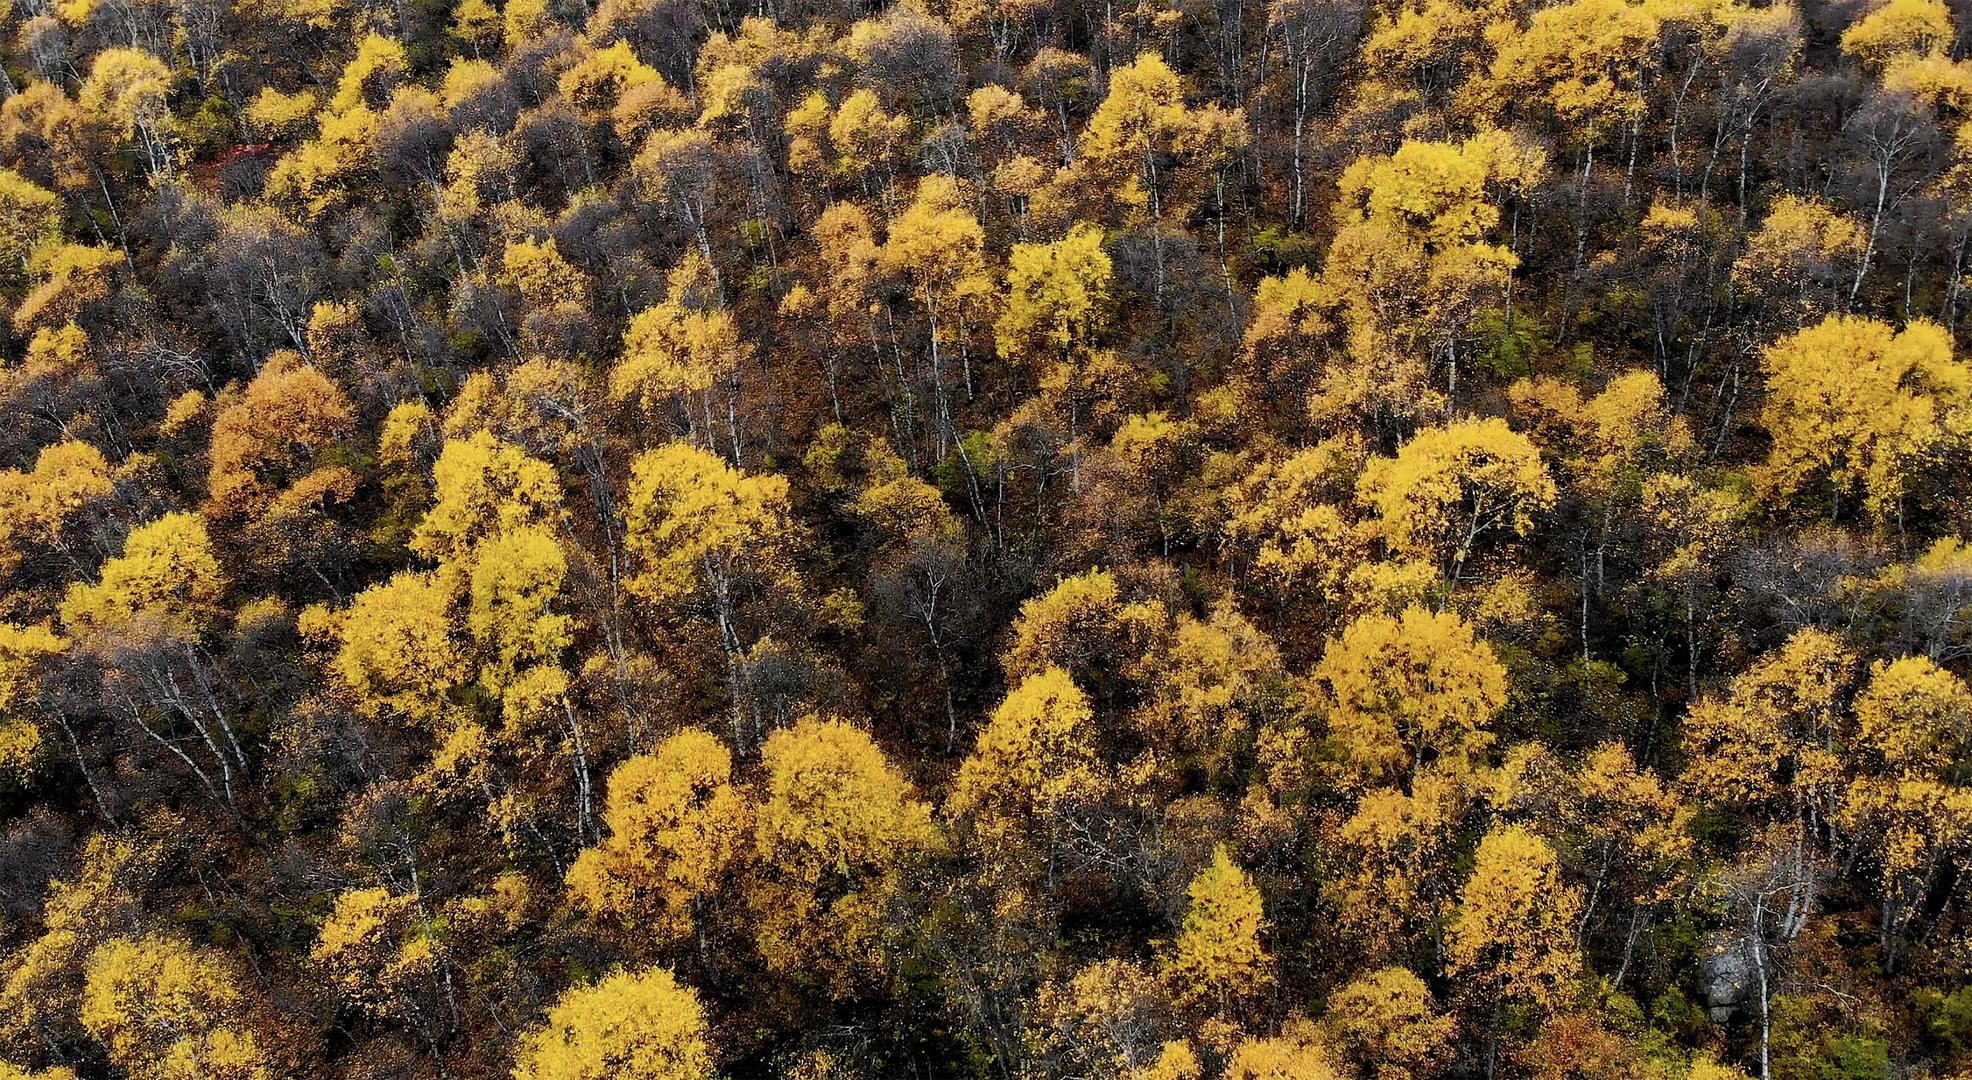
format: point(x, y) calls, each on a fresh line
point(814, 855)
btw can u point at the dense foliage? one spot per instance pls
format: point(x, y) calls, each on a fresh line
point(1306, 540)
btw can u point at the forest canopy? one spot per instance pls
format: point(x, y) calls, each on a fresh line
point(987, 539)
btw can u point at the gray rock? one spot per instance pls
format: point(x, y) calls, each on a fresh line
point(1726, 975)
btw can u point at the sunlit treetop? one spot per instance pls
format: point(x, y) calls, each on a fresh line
point(1217, 957)
point(269, 436)
point(1452, 487)
point(1896, 28)
point(1057, 295)
point(1863, 408)
point(697, 522)
point(670, 349)
point(629, 1026)
point(1386, 1026)
point(1036, 753)
point(168, 1011)
point(484, 487)
point(167, 570)
point(1403, 693)
point(676, 824)
point(1514, 934)
point(831, 802)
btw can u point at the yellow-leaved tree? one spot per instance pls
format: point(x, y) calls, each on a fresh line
point(29, 217)
point(1385, 1025)
point(938, 249)
point(1910, 804)
point(487, 615)
point(269, 436)
point(167, 571)
point(1860, 410)
point(1057, 304)
point(1766, 750)
point(41, 981)
point(836, 830)
point(395, 650)
point(1409, 704)
point(274, 479)
point(1216, 683)
point(553, 293)
point(149, 621)
point(1585, 63)
point(1057, 297)
point(707, 537)
point(38, 508)
point(10, 1071)
point(1513, 938)
point(1152, 156)
point(380, 955)
point(676, 827)
point(1608, 448)
point(1217, 962)
point(1297, 1053)
point(1288, 341)
point(1107, 1020)
point(673, 353)
point(640, 1025)
point(1284, 527)
point(379, 62)
point(1035, 758)
point(127, 92)
point(23, 649)
point(1452, 487)
point(168, 1011)
point(1403, 694)
point(485, 486)
point(1631, 831)
point(1083, 626)
point(595, 84)
point(1897, 29)
point(1399, 859)
point(1801, 261)
point(1409, 272)
point(327, 171)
